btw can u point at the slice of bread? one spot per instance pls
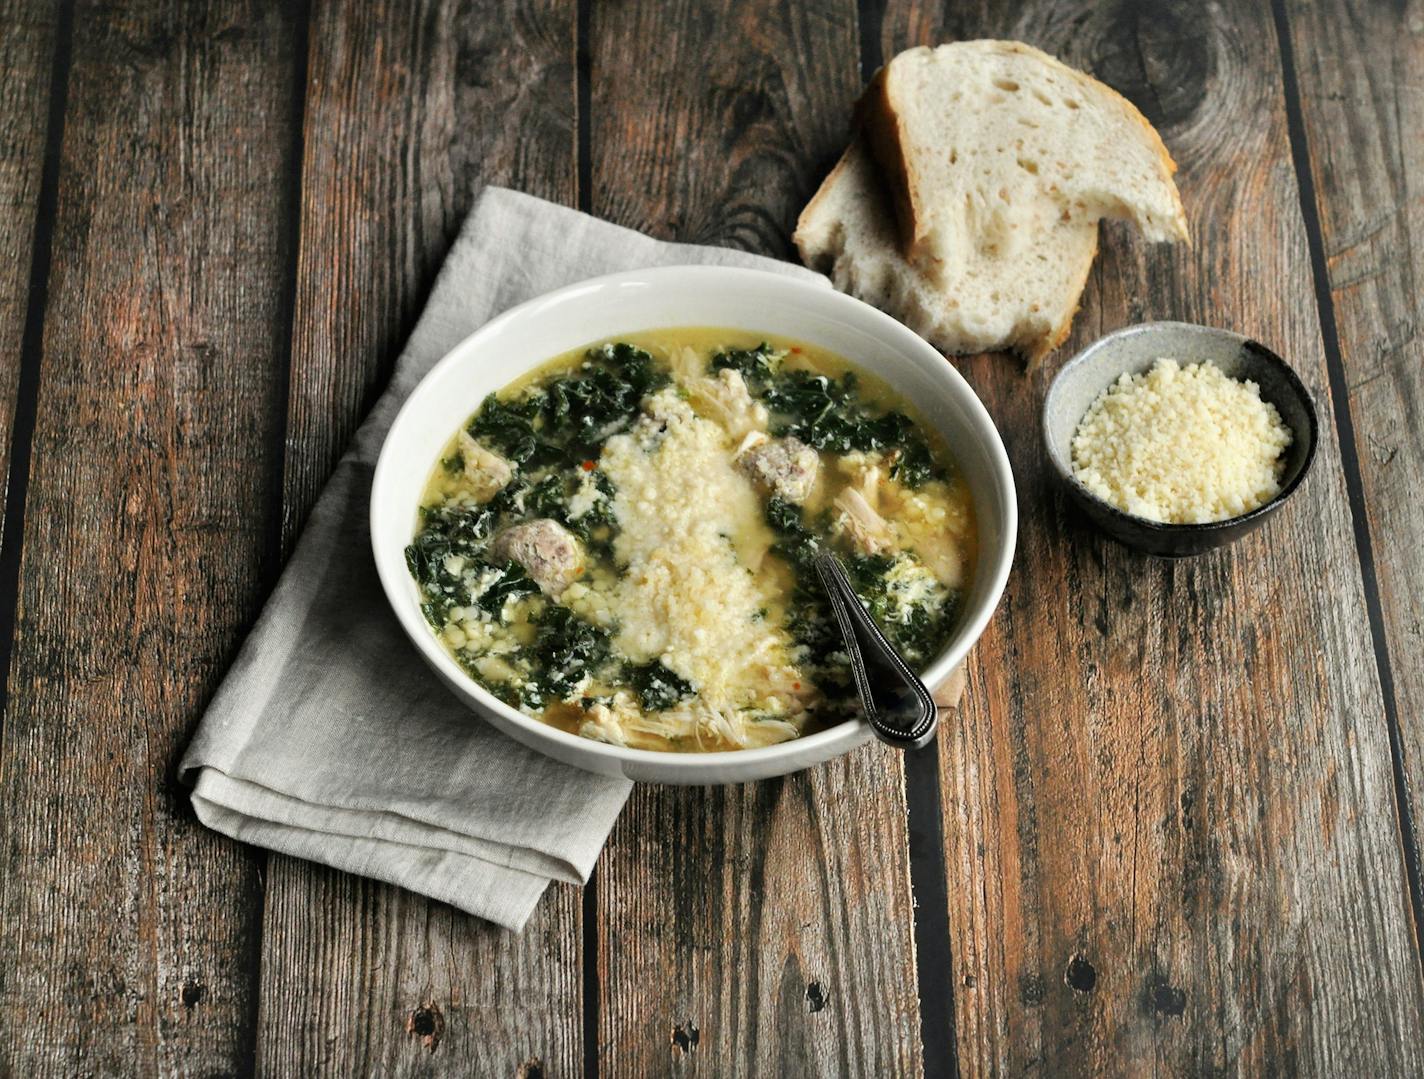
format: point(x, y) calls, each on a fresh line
point(987, 300)
point(973, 137)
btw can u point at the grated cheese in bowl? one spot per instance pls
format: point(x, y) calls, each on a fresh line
point(1181, 445)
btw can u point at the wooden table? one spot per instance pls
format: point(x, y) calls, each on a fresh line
point(1173, 828)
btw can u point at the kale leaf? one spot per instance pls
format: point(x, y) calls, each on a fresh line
point(916, 633)
point(465, 528)
point(547, 498)
point(825, 413)
point(446, 531)
point(511, 583)
point(809, 619)
point(633, 364)
point(657, 686)
point(581, 411)
point(566, 649)
point(794, 541)
point(509, 428)
point(574, 414)
point(915, 465)
point(597, 525)
point(757, 366)
point(867, 572)
point(811, 622)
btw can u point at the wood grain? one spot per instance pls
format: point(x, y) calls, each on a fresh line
point(410, 110)
point(130, 931)
point(1358, 68)
point(763, 929)
point(1170, 838)
point(1170, 827)
point(27, 54)
point(721, 131)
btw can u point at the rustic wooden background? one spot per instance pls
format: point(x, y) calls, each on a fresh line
point(1174, 827)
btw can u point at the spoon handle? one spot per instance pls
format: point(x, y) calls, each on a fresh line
point(896, 703)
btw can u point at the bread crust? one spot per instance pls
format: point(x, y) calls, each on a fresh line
point(877, 119)
point(1035, 354)
point(806, 221)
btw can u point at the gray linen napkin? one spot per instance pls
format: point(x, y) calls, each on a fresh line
point(330, 739)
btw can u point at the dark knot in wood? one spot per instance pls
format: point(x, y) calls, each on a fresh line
point(1080, 975)
point(686, 1036)
point(428, 1024)
point(1159, 55)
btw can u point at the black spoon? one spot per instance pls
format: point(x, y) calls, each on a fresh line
point(897, 705)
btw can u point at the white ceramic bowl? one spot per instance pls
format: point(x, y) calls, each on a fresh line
point(607, 307)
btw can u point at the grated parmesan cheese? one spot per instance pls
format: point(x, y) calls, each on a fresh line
point(690, 526)
point(1181, 445)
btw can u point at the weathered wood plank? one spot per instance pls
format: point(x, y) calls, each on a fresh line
point(763, 929)
point(1359, 66)
point(410, 110)
point(27, 55)
point(1170, 835)
point(360, 978)
point(130, 931)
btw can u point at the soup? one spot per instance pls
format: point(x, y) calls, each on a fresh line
point(620, 543)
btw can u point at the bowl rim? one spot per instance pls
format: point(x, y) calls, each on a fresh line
point(845, 735)
point(1190, 528)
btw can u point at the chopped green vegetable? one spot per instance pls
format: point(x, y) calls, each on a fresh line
point(567, 648)
point(574, 414)
point(794, 541)
point(511, 583)
point(597, 525)
point(867, 572)
point(915, 465)
point(448, 534)
point(550, 496)
point(547, 498)
point(658, 687)
point(827, 414)
point(757, 366)
point(824, 413)
point(508, 427)
point(914, 628)
point(809, 619)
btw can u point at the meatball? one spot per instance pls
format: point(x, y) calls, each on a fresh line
point(785, 467)
point(547, 550)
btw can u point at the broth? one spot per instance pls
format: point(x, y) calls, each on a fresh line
point(619, 542)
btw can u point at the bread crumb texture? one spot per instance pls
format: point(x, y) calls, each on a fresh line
point(998, 161)
point(1181, 445)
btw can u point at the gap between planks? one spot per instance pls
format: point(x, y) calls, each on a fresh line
point(31, 349)
point(583, 196)
point(929, 872)
point(275, 555)
point(1350, 463)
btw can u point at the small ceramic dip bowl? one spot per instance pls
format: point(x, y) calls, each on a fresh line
point(1133, 351)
